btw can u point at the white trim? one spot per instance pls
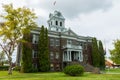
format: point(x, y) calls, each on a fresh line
point(75, 49)
point(36, 32)
point(68, 37)
point(53, 36)
point(73, 38)
point(62, 36)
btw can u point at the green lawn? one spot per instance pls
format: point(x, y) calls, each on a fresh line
point(109, 75)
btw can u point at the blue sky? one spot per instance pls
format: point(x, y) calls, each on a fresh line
point(96, 18)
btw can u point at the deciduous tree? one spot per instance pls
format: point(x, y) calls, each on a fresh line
point(17, 21)
point(2, 58)
point(115, 53)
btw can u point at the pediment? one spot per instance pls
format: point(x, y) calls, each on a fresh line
point(70, 33)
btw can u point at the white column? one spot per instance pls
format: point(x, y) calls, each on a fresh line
point(79, 56)
point(67, 55)
point(70, 55)
point(63, 56)
point(74, 55)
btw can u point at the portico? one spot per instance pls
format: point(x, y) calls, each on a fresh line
point(71, 55)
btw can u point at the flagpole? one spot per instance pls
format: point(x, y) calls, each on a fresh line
point(54, 4)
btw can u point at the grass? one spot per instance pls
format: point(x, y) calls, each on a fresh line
point(60, 76)
point(117, 70)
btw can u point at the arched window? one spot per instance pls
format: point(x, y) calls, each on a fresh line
point(51, 22)
point(56, 22)
point(60, 23)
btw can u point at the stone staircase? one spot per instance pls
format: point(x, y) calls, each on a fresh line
point(87, 67)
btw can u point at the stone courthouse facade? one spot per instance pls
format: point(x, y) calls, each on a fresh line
point(65, 46)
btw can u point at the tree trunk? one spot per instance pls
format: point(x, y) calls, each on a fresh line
point(10, 68)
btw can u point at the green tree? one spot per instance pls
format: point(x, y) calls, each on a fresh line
point(26, 63)
point(46, 51)
point(95, 53)
point(17, 21)
point(115, 53)
point(43, 50)
point(2, 58)
point(102, 58)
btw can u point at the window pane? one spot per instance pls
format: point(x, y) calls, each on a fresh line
point(51, 56)
point(57, 42)
point(56, 22)
point(57, 55)
point(35, 54)
point(35, 39)
point(60, 23)
point(51, 42)
point(69, 42)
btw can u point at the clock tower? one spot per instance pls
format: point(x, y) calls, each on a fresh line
point(56, 22)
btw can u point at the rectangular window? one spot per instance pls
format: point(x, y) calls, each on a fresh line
point(85, 46)
point(51, 42)
point(35, 54)
point(52, 67)
point(69, 42)
point(35, 39)
point(35, 65)
point(57, 55)
point(57, 42)
point(81, 44)
point(51, 56)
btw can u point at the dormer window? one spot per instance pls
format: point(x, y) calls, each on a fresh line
point(56, 22)
point(60, 23)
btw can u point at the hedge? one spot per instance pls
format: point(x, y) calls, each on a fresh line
point(2, 68)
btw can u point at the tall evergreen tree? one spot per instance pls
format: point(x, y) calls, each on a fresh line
point(102, 58)
point(26, 63)
point(43, 50)
point(95, 53)
point(47, 50)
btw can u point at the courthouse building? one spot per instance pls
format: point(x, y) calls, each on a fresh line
point(65, 46)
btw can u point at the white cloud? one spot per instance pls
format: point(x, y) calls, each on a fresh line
point(104, 25)
point(97, 18)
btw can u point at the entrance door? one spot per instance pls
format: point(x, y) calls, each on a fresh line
point(72, 55)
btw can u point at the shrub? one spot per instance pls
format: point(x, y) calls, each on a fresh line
point(2, 68)
point(74, 70)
